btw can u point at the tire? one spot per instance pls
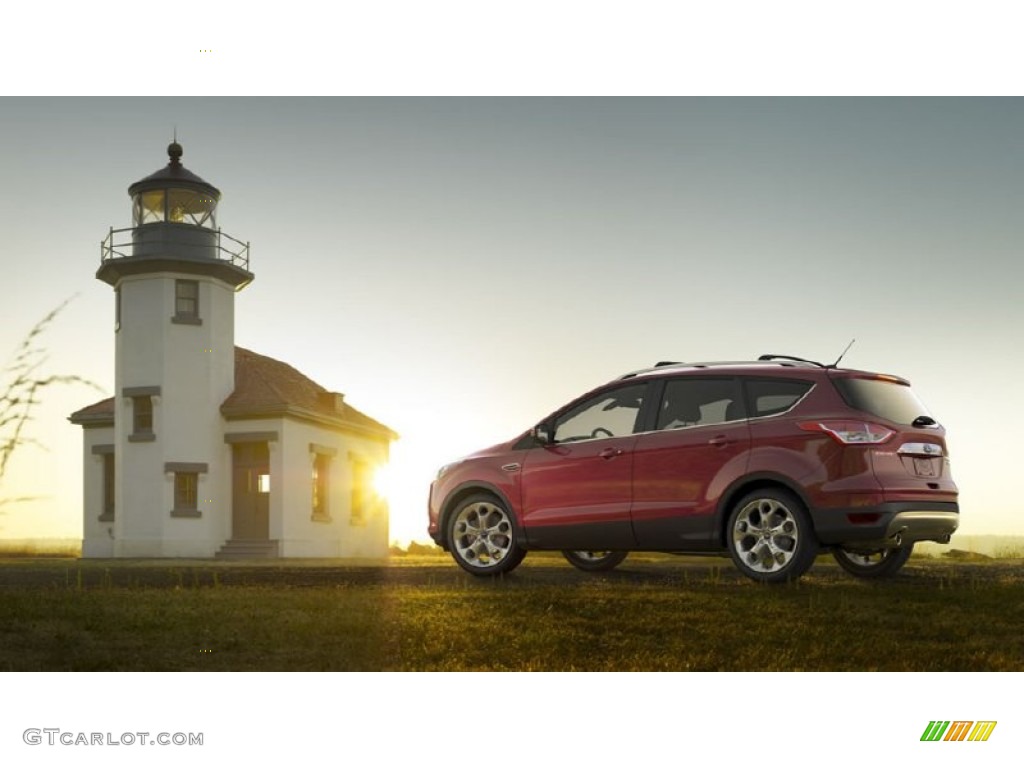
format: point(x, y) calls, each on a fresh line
point(593, 560)
point(483, 536)
point(770, 537)
point(873, 565)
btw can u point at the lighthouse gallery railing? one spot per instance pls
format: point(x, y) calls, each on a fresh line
point(222, 248)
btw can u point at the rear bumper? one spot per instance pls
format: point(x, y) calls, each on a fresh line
point(887, 525)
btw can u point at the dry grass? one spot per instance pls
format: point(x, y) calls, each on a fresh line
point(40, 548)
point(425, 614)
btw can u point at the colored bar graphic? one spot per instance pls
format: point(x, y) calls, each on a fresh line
point(961, 730)
point(935, 730)
point(982, 730)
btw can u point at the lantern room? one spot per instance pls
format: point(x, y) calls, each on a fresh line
point(178, 206)
point(174, 219)
point(174, 194)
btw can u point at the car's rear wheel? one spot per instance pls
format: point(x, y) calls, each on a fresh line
point(872, 565)
point(770, 536)
point(483, 537)
point(593, 560)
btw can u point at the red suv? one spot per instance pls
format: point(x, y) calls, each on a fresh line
point(769, 461)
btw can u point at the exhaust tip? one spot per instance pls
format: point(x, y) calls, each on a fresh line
point(898, 539)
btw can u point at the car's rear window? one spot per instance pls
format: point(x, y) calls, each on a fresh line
point(889, 400)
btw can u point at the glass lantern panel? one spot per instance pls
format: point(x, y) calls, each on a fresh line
point(187, 207)
point(150, 207)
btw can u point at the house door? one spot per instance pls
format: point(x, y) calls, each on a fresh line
point(250, 517)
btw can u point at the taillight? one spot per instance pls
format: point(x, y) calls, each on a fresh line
point(850, 432)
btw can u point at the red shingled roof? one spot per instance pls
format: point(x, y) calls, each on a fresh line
point(266, 388)
point(97, 413)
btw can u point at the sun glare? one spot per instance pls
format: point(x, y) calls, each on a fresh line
point(382, 482)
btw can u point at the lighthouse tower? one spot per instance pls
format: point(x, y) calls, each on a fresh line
point(175, 276)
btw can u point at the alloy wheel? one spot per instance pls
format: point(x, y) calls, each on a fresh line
point(873, 564)
point(766, 535)
point(482, 534)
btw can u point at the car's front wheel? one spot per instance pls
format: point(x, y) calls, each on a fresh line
point(483, 537)
point(872, 565)
point(770, 537)
point(593, 560)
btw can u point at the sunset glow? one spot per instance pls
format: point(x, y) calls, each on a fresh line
point(382, 482)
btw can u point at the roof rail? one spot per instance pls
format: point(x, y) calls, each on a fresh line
point(790, 357)
point(783, 360)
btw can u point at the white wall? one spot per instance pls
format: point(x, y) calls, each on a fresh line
point(302, 536)
point(194, 367)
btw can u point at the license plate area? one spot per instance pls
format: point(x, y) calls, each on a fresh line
point(925, 468)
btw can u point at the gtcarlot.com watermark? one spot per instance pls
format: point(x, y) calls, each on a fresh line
point(58, 737)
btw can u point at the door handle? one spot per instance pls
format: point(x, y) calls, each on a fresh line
point(610, 453)
point(720, 441)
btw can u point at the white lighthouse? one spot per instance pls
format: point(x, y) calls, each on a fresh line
point(206, 449)
point(174, 280)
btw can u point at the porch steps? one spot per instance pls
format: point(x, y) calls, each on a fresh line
point(248, 549)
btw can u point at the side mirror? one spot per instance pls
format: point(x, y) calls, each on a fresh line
point(543, 434)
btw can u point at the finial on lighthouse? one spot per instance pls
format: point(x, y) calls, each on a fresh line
point(174, 150)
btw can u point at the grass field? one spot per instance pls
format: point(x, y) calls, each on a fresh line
point(423, 613)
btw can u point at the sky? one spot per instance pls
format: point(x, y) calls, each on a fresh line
point(460, 267)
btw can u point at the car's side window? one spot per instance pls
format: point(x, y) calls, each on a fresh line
point(610, 414)
point(771, 396)
point(699, 401)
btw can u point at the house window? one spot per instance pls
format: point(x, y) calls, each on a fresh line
point(108, 487)
point(142, 412)
point(320, 476)
point(117, 308)
point(321, 473)
point(360, 491)
point(186, 490)
point(186, 493)
point(105, 453)
point(186, 487)
point(186, 302)
point(142, 415)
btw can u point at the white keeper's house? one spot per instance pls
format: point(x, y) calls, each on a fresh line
point(208, 449)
